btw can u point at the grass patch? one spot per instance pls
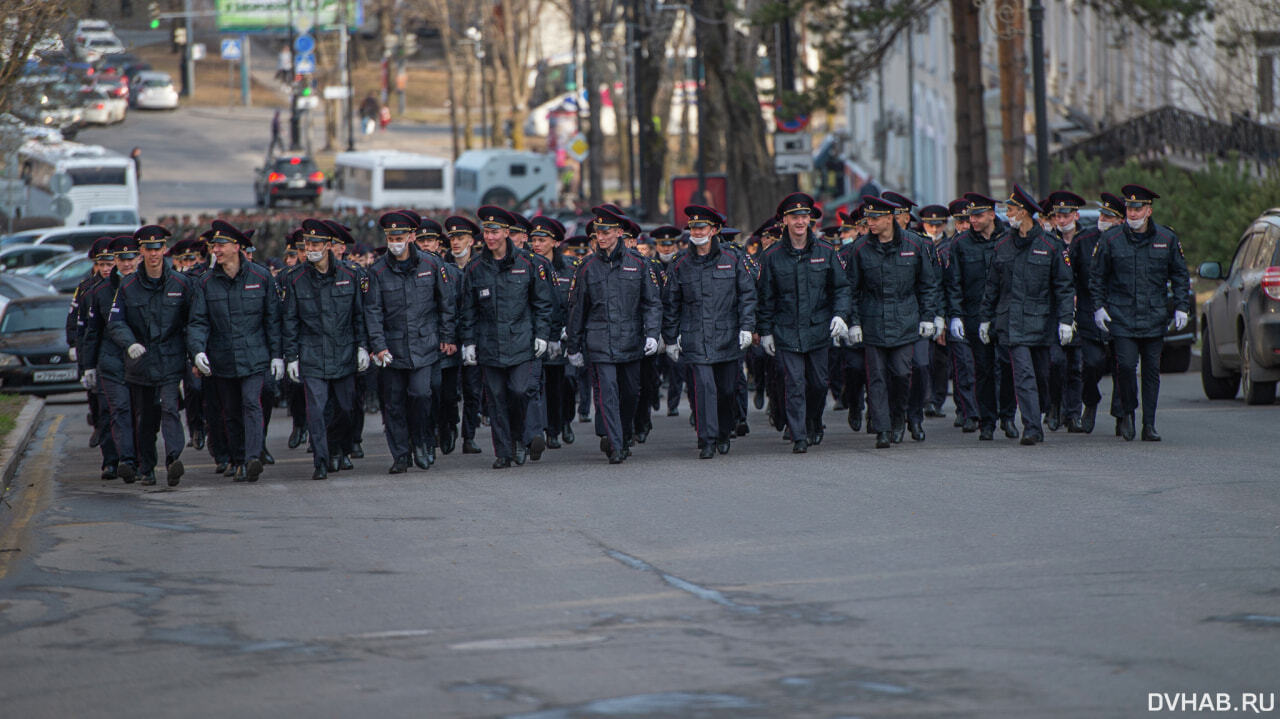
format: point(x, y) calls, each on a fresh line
point(10, 406)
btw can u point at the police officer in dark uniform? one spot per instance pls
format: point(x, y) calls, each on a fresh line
point(933, 222)
point(853, 361)
point(535, 424)
point(803, 305)
point(667, 240)
point(148, 321)
point(504, 326)
point(557, 385)
point(461, 233)
point(709, 317)
point(579, 246)
point(234, 336)
point(1131, 269)
point(959, 353)
point(896, 293)
point(615, 317)
point(100, 281)
point(1066, 361)
point(1096, 354)
point(409, 312)
point(103, 263)
point(1028, 303)
point(445, 378)
point(104, 360)
point(295, 393)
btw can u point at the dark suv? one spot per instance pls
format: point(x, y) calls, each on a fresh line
point(287, 177)
point(1241, 321)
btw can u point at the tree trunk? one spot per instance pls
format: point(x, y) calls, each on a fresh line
point(595, 134)
point(445, 21)
point(1011, 31)
point(972, 170)
point(652, 113)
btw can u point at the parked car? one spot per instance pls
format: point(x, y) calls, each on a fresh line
point(1241, 319)
point(14, 257)
point(34, 356)
point(96, 46)
point(64, 272)
point(80, 237)
point(114, 65)
point(113, 215)
point(287, 177)
point(14, 286)
point(101, 108)
point(153, 90)
point(90, 26)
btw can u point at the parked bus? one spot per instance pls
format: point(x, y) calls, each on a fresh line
point(96, 177)
point(380, 179)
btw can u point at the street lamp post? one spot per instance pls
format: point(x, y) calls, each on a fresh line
point(1042, 110)
point(473, 35)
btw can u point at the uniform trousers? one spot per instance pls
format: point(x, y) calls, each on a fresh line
point(508, 391)
point(1067, 384)
point(560, 392)
point(963, 379)
point(650, 392)
point(445, 399)
point(921, 389)
point(406, 404)
point(1094, 356)
point(217, 423)
point(617, 392)
point(855, 379)
point(327, 426)
point(1006, 403)
point(296, 396)
point(673, 373)
point(715, 403)
point(940, 373)
point(155, 409)
point(472, 390)
point(535, 416)
point(585, 388)
point(1030, 367)
point(241, 401)
point(1129, 350)
point(193, 396)
point(119, 414)
point(804, 390)
point(888, 385)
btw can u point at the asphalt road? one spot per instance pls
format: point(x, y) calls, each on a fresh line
point(943, 579)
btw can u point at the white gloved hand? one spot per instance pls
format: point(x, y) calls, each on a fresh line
point(926, 329)
point(838, 327)
point(136, 350)
point(362, 359)
point(71, 354)
point(90, 379)
point(957, 328)
point(382, 359)
point(202, 363)
point(939, 326)
point(984, 333)
point(277, 369)
point(650, 346)
point(1179, 320)
point(539, 346)
point(1065, 333)
point(564, 335)
point(295, 371)
point(673, 352)
point(469, 355)
point(744, 339)
point(575, 359)
point(553, 350)
point(766, 344)
point(1102, 319)
point(854, 337)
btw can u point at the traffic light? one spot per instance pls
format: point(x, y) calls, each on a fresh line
point(153, 12)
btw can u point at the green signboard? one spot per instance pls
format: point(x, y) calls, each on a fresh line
point(273, 16)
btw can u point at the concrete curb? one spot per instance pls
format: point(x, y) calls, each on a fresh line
point(15, 444)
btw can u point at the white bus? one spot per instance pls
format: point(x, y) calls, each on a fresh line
point(97, 177)
point(383, 179)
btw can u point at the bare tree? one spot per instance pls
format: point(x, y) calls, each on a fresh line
point(26, 23)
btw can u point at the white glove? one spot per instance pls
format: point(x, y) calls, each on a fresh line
point(136, 350)
point(539, 347)
point(650, 346)
point(838, 327)
point(984, 333)
point(564, 335)
point(72, 354)
point(382, 359)
point(277, 369)
point(766, 343)
point(295, 371)
point(553, 350)
point(854, 337)
point(202, 363)
point(1102, 319)
point(1064, 333)
point(939, 326)
point(744, 339)
point(575, 359)
point(926, 329)
point(673, 352)
point(362, 359)
point(957, 328)
point(1179, 320)
point(90, 379)
point(469, 355)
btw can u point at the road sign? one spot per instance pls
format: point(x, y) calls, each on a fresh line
point(60, 183)
point(304, 44)
point(306, 64)
point(792, 154)
point(198, 51)
point(272, 16)
point(578, 147)
point(794, 124)
point(62, 206)
point(335, 92)
point(231, 49)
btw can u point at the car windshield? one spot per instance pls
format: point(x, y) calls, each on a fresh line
point(42, 269)
point(103, 42)
point(79, 268)
point(33, 317)
point(295, 165)
point(157, 82)
point(112, 217)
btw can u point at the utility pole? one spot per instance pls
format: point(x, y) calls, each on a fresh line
point(1042, 109)
point(293, 85)
point(639, 23)
point(628, 71)
point(188, 65)
point(911, 105)
point(400, 61)
point(786, 79)
point(344, 66)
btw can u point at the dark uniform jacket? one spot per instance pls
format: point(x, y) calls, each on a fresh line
point(966, 271)
point(1080, 257)
point(453, 275)
point(153, 313)
point(615, 304)
point(895, 287)
point(236, 320)
point(1028, 290)
point(708, 301)
point(96, 351)
point(410, 308)
point(324, 320)
point(78, 313)
point(562, 269)
point(799, 292)
point(504, 307)
point(1132, 276)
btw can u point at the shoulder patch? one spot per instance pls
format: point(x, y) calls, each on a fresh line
point(364, 284)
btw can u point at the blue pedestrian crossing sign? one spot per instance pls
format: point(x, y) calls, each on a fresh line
point(231, 49)
point(306, 64)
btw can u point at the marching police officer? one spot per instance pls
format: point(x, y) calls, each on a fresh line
point(933, 222)
point(234, 336)
point(667, 239)
point(1131, 269)
point(462, 233)
point(1028, 291)
point(445, 378)
point(559, 391)
point(958, 351)
point(803, 302)
point(103, 363)
point(1066, 361)
point(709, 318)
point(77, 317)
point(896, 295)
point(148, 321)
point(536, 411)
point(410, 316)
point(853, 362)
point(615, 316)
point(504, 326)
point(1096, 350)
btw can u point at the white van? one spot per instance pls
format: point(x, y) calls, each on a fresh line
point(382, 179)
point(514, 179)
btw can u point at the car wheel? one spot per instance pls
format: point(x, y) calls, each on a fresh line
point(1175, 359)
point(1215, 387)
point(1254, 392)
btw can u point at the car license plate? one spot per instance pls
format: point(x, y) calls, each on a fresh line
point(56, 375)
point(299, 182)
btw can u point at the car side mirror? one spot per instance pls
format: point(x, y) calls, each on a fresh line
point(1210, 271)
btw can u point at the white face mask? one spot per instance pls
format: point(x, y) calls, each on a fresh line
point(1105, 224)
point(315, 256)
point(1136, 225)
point(465, 251)
point(396, 248)
point(666, 256)
point(699, 241)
